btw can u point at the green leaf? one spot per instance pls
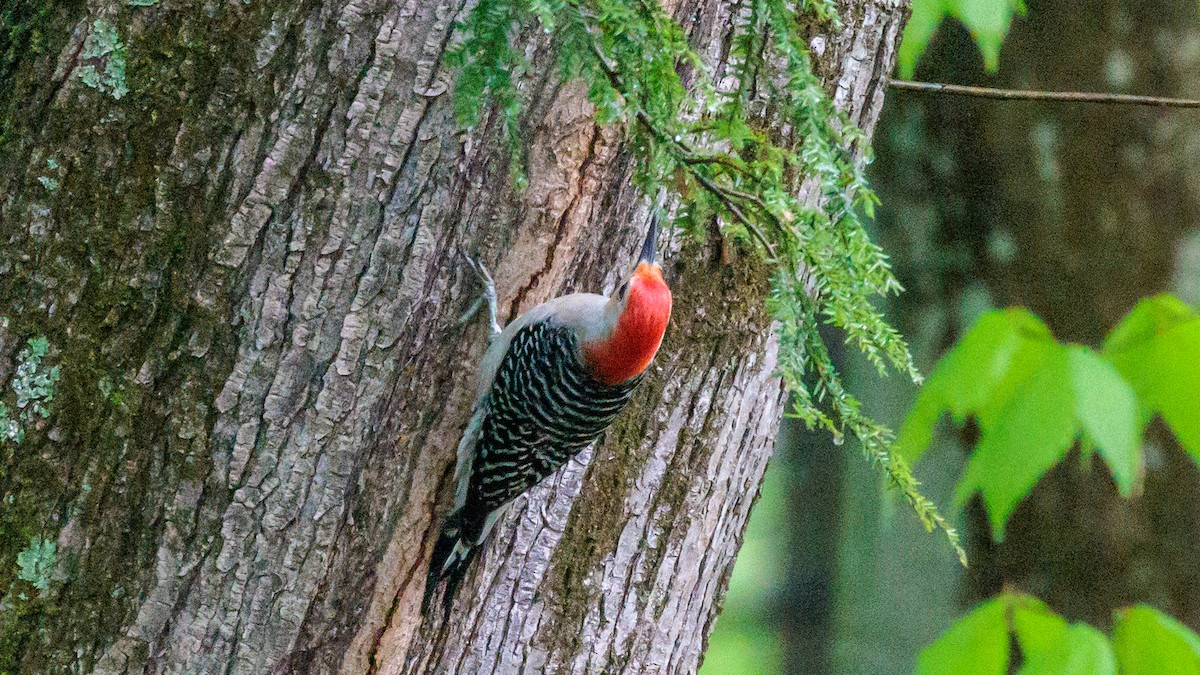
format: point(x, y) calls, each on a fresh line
point(926, 16)
point(1148, 641)
point(979, 376)
point(1031, 397)
point(1037, 627)
point(1107, 409)
point(976, 643)
point(988, 21)
point(1027, 436)
point(1156, 347)
point(1088, 653)
point(1051, 646)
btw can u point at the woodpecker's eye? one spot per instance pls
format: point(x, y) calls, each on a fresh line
point(622, 290)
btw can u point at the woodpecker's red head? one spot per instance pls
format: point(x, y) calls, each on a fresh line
point(638, 315)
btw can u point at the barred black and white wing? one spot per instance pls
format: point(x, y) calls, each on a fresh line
point(542, 408)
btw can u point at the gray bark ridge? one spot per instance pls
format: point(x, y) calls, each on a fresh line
point(286, 211)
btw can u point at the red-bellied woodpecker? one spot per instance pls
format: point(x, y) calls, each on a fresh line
point(549, 385)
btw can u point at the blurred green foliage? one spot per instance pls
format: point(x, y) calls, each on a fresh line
point(746, 640)
point(1152, 643)
point(1033, 398)
point(1144, 640)
point(987, 20)
point(1157, 349)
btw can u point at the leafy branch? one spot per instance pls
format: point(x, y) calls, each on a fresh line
point(742, 157)
point(691, 161)
point(1035, 398)
point(1142, 640)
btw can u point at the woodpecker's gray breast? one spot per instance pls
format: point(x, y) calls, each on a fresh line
point(542, 408)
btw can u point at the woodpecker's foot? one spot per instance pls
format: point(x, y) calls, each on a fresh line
point(488, 297)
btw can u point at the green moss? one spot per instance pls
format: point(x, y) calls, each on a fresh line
point(29, 30)
point(128, 241)
point(736, 289)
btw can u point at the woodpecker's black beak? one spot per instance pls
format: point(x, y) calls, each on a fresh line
point(647, 255)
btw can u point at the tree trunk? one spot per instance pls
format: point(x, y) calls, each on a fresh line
point(249, 267)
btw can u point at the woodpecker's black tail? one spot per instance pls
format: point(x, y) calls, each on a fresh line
point(452, 554)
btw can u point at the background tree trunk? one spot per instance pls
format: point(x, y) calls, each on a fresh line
point(249, 269)
point(1074, 211)
point(1096, 216)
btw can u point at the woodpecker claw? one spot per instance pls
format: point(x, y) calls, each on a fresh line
point(489, 296)
point(471, 311)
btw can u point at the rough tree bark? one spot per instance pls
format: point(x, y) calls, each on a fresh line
point(250, 272)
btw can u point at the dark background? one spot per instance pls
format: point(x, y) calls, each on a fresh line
point(1072, 210)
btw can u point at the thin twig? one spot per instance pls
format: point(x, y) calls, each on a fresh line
point(722, 159)
point(1026, 95)
point(737, 213)
point(720, 192)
